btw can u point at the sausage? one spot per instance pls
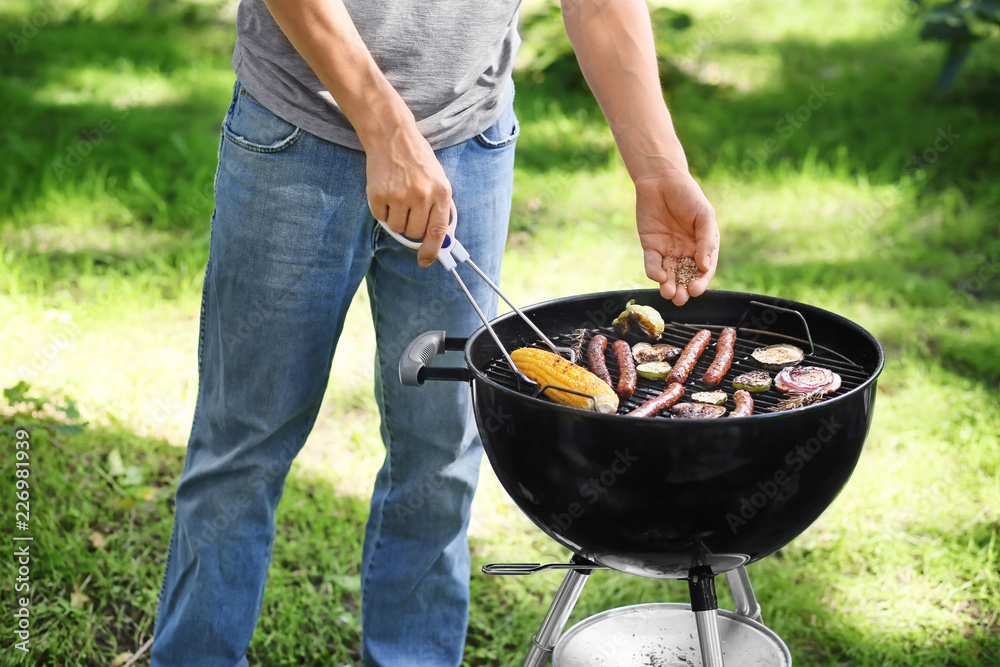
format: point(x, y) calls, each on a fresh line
point(689, 356)
point(723, 357)
point(673, 393)
point(595, 358)
point(626, 369)
point(744, 404)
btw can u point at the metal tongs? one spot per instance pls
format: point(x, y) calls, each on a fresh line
point(451, 254)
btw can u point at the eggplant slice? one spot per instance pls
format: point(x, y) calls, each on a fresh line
point(776, 357)
point(645, 353)
point(697, 411)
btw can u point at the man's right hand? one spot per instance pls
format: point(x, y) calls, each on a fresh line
point(407, 186)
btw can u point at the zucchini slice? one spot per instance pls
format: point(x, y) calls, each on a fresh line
point(710, 397)
point(753, 381)
point(654, 370)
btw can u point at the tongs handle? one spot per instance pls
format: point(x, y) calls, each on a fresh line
point(448, 246)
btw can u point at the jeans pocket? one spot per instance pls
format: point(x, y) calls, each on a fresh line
point(502, 133)
point(252, 126)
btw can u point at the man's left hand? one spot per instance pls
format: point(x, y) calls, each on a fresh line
point(674, 220)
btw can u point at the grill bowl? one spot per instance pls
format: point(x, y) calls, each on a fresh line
point(659, 496)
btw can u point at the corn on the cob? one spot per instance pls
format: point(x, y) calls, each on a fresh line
point(545, 367)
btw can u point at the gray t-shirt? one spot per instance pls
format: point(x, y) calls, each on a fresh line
point(449, 60)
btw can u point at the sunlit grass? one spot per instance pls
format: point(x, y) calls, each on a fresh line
point(100, 280)
point(121, 89)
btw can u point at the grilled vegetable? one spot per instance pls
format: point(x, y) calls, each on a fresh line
point(645, 353)
point(776, 357)
point(545, 367)
point(807, 379)
point(753, 381)
point(697, 411)
point(654, 370)
point(639, 320)
point(710, 397)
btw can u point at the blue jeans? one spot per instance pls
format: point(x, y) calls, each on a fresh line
point(292, 239)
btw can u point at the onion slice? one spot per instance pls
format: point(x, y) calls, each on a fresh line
point(806, 379)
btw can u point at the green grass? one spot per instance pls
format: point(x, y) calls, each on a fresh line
point(109, 147)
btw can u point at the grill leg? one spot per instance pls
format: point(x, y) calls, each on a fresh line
point(746, 603)
point(701, 585)
point(555, 620)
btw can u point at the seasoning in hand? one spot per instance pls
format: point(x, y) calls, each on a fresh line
point(685, 270)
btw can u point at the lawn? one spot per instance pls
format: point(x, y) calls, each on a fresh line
point(839, 178)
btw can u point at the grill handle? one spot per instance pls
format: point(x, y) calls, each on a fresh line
point(414, 365)
point(578, 563)
point(773, 307)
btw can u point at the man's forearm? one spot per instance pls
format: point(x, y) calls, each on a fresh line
point(613, 40)
point(325, 36)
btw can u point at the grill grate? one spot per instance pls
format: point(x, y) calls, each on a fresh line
point(678, 334)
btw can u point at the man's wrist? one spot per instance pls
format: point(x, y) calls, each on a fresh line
point(648, 144)
point(655, 158)
point(386, 116)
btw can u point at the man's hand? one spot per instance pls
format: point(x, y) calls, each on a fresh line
point(674, 220)
point(407, 187)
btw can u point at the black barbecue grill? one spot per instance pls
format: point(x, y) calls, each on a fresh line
point(662, 496)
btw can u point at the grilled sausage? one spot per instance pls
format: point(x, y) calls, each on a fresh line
point(673, 393)
point(595, 358)
point(626, 369)
point(744, 404)
point(723, 357)
point(689, 356)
